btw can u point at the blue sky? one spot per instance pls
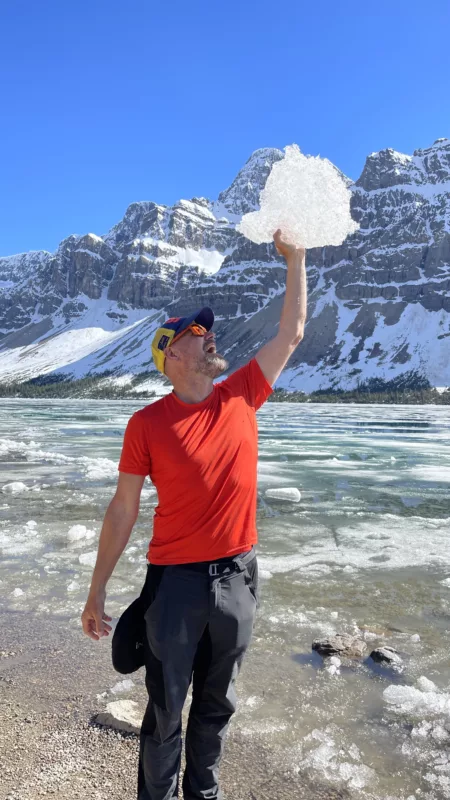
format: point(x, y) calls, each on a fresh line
point(105, 103)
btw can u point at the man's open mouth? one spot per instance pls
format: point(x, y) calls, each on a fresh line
point(211, 348)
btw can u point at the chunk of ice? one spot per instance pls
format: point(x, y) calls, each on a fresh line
point(293, 495)
point(308, 198)
point(17, 592)
point(88, 559)
point(77, 532)
point(415, 638)
point(122, 686)
point(335, 661)
point(425, 685)
point(15, 487)
point(423, 704)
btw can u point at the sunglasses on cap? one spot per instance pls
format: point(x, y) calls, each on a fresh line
point(194, 328)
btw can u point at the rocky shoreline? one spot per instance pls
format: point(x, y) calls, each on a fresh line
point(52, 680)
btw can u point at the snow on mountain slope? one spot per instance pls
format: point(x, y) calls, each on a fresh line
point(379, 304)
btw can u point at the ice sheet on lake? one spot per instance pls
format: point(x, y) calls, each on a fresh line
point(379, 543)
point(305, 196)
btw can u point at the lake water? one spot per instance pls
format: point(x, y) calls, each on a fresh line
point(366, 550)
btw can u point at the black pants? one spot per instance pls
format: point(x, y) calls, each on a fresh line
point(198, 626)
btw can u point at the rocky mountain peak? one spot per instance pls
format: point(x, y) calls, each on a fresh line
point(243, 194)
point(389, 168)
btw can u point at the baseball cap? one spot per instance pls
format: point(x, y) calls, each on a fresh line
point(127, 648)
point(173, 327)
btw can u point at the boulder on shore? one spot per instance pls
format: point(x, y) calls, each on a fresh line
point(341, 644)
point(386, 655)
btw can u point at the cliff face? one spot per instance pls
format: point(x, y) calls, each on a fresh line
point(379, 304)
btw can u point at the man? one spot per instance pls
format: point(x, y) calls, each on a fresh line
point(199, 447)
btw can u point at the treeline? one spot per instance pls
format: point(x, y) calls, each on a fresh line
point(389, 397)
point(91, 388)
point(98, 387)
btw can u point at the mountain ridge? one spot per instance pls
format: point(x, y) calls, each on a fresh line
point(379, 304)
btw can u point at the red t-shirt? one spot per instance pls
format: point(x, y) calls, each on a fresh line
point(202, 458)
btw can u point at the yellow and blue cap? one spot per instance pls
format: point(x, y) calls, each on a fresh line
point(172, 328)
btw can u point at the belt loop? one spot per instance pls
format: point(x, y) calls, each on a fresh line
point(213, 570)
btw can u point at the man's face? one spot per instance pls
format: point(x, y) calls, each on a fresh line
point(198, 354)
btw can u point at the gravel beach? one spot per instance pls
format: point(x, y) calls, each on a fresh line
point(50, 676)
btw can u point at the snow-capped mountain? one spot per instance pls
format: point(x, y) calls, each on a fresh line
point(379, 304)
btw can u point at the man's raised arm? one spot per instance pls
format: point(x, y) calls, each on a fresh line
point(273, 357)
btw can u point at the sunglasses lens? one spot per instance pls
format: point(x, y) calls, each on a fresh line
point(198, 330)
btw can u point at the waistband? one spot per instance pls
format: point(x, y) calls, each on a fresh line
point(222, 566)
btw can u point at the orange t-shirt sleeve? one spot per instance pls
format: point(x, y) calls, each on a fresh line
point(250, 382)
point(135, 457)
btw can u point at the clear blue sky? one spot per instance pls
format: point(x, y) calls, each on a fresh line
point(104, 102)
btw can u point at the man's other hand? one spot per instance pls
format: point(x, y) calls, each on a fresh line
point(93, 619)
point(284, 248)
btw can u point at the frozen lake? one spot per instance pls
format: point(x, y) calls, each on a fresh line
point(366, 550)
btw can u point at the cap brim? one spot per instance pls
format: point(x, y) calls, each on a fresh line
point(204, 317)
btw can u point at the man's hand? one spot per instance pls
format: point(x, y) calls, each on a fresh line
point(284, 248)
point(93, 619)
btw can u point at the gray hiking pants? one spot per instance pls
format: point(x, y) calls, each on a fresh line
point(199, 623)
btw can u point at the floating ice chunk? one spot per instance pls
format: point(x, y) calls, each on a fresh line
point(408, 700)
point(354, 752)
point(425, 685)
point(254, 700)
point(265, 573)
point(357, 777)
point(308, 198)
point(348, 569)
point(334, 614)
point(122, 686)
point(31, 524)
point(333, 665)
point(17, 592)
point(325, 759)
point(78, 532)
point(415, 638)
point(15, 487)
point(73, 586)
point(445, 582)
point(88, 559)
point(292, 495)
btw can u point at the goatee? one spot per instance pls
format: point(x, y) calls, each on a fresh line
point(212, 365)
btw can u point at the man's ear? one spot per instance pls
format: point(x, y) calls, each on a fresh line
point(171, 354)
